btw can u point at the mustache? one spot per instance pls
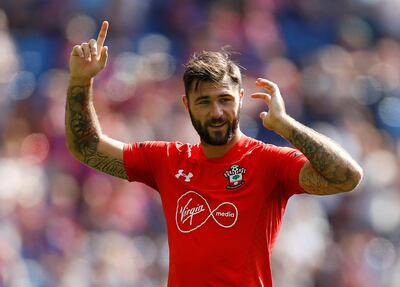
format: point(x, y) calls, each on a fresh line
point(216, 121)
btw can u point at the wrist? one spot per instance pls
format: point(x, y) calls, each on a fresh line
point(283, 124)
point(80, 81)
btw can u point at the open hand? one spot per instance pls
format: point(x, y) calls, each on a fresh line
point(88, 59)
point(276, 106)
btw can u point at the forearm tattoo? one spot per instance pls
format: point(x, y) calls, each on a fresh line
point(83, 132)
point(327, 158)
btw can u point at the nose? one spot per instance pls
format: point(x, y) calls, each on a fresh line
point(216, 110)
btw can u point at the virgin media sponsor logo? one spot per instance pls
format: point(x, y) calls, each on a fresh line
point(193, 211)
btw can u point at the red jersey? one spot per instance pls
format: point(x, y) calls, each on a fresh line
point(223, 214)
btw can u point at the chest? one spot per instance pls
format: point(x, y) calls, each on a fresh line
point(197, 195)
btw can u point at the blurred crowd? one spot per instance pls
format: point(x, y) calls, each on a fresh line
point(337, 64)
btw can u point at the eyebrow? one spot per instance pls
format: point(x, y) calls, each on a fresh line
point(202, 98)
point(206, 97)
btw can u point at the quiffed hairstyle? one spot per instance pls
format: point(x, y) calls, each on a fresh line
point(210, 66)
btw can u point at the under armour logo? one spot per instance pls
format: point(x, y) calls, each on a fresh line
point(187, 176)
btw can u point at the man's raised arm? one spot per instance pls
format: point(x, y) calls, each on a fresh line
point(329, 169)
point(84, 136)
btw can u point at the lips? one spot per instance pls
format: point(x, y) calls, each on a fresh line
point(217, 125)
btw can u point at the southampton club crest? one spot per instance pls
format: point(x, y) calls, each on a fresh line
point(235, 176)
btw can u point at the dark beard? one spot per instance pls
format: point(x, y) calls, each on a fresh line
point(222, 137)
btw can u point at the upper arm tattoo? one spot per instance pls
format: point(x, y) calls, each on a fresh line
point(83, 132)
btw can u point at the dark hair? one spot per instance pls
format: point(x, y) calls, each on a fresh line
point(209, 66)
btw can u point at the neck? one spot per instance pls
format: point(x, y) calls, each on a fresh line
point(213, 151)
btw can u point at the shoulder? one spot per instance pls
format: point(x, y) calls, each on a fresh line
point(155, 153)
point(268, 147)
point(255, 144)
point(272, 152)
point(168, 148)
point(159, 145)
point(179, 146)
point(185, 150)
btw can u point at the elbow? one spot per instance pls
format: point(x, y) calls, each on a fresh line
point(358, 175)
point(70, 147)
point(74, 152)
point(355, 178)
point(84, 148)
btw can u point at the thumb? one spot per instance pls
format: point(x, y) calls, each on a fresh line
point(263, 115)
point(103, 56)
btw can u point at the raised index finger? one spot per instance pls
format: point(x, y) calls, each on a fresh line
point(102, 35)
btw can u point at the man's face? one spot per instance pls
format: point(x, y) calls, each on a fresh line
point(214, 110)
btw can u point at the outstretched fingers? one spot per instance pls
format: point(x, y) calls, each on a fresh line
point(266, 98)
point(269, 86)
point(272, 97)
point(262, 96)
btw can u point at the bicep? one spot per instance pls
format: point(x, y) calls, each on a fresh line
point(312, 182)
point(109, 157)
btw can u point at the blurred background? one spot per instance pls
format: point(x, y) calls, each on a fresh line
point(337, 64)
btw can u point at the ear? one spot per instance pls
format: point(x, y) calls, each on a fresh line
point(185, 102)
point(241, 95)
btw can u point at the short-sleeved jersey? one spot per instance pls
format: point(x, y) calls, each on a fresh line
point(222, 214)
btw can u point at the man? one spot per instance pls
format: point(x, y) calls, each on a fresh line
point(223, 198)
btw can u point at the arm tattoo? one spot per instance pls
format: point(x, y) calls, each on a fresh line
point(334, 167)
point(325, 160)
point(83, 132)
